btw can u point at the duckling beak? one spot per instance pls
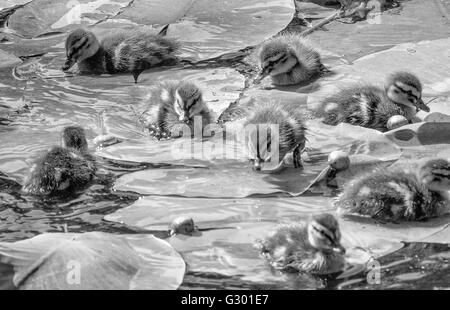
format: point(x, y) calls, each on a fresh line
point(338, 248)
point(184, 119)
point(68, 64)
point(257, 165)
point(420, 105)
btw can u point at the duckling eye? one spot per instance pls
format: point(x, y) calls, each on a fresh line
point(325, 236)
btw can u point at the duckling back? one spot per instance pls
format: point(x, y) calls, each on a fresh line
point(59, 172)
point(388, 196)
point(138, 51)
point(285, 243)
point(360, 105)
point(308, 64)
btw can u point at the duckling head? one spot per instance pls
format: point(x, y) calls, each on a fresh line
point(188, 102)
point(324, 233)
point(404, 88)
point(80, 45)
point(275, 58)
point(73, 137)
point(435, 175)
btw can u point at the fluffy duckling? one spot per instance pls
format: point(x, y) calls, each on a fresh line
point(289, 59)
point(133, 51)
point(65, 169)
point(313, 247)
point(175, 103)
point(397, 195)
point(291, 134)
point(372, 107)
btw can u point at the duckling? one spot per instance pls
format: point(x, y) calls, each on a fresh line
point(175, 103)
point(372, 107)
point(289, 59)
point(133, 51)
point(291, 134)
point(63, 170)
point(313, 247)
point(394, 195)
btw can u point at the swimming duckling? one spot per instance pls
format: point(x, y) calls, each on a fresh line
point(370, 106)
point(398, 195)
point(289, 59)
point(65, 169)
point(291, 134)
point(173, 104)
point(313, 247)
point(133, 51)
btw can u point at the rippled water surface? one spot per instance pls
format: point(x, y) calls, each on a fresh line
point(141, 187)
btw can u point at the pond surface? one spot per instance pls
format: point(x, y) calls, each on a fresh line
point(142, 187)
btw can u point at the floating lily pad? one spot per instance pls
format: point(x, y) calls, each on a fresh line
point(442, 236)
point(382, 238)
point(8, 60)
point(211, 28)
point(392, 27)
point(156, 213)
point(215, 181)
point(417, 264)
point(427, 59)
point(39, 17)
point(93, 261)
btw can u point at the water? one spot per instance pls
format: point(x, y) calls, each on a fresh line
point(232, 205)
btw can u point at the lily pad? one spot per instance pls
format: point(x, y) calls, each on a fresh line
point(214, 181)
point(208, 28)
point(11, 3)
point(382, 238)
point(428, 59)
point(8, 60)
point(417, 264)
point(156, 213)
point(393, 26)
point(39, 17)
point(93, 261)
